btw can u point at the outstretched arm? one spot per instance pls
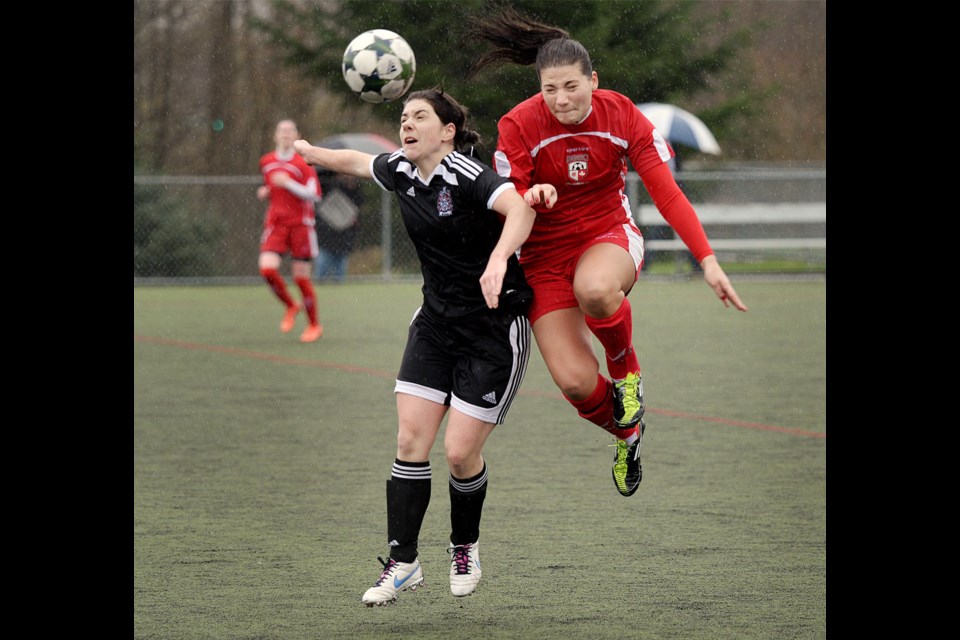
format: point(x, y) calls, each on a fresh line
point(307, 191)
point(347, 161)
point(677, 210)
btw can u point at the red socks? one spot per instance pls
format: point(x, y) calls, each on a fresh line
point(307, 293)
point(598, 409)
point(278, 286)
point(309, 298)
point(616, 335)
point(598, 406)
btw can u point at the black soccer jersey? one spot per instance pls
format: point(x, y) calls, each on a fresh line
point(453, 229)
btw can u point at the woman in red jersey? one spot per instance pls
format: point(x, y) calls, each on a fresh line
point(289, 226)
point(566, 150)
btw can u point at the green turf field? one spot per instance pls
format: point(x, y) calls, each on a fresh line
point(260, 463)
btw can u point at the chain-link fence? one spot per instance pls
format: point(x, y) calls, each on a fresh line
point(207, 228)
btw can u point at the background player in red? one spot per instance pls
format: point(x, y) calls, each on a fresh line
point(292, 187)
point(566, 150)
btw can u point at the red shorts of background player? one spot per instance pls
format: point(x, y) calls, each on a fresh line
point(299, 240)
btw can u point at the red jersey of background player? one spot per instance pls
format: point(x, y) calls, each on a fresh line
point(293, 204)
point(581, 161)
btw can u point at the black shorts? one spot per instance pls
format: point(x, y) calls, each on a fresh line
point(474, 365)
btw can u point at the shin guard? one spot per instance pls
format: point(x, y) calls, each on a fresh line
point(406, 507)
point(466, 509)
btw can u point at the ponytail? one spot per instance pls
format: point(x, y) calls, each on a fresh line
point(521, 40)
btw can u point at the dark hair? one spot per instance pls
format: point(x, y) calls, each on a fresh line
point(522, 40)
point(449, 111)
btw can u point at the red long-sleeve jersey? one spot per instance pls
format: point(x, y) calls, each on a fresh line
point(587, 163)
point(292, 205)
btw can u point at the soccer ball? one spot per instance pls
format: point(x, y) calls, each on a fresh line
point(379, 65)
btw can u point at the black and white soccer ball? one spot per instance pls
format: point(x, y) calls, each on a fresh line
point(379, 65)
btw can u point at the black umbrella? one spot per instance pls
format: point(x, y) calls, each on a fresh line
point(367, 142)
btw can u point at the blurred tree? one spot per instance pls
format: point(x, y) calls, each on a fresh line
point(651, 51)
point(788, 57)
point(211, 78)
point(168, 241)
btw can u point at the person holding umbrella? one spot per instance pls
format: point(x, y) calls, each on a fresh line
point(343, 200)
point(566, 150)
point(337, 224)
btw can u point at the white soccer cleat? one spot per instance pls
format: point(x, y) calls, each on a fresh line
point(464, 568)
point(396, 577)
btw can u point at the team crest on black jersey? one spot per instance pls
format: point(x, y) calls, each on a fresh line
point(577, 166)
point(444, 202)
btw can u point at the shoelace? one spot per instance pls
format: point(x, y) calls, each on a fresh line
point(388, 567)
point(628, 388)
point(461, 558)
point(623, 450)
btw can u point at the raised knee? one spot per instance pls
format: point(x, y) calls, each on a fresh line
point(599, 301)
point(589, 294)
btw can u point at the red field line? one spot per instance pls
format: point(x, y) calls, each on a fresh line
point(269, 357)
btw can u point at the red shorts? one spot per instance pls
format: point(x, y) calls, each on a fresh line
point(552, 276)
point(300, 241)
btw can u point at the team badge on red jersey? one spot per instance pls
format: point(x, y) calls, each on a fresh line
point(444, 202)
point(577, 166)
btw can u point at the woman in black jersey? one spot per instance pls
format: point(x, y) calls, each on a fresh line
point(469, 342)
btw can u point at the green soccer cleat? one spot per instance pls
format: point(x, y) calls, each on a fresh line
point(628, 401)
point(627, 472)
